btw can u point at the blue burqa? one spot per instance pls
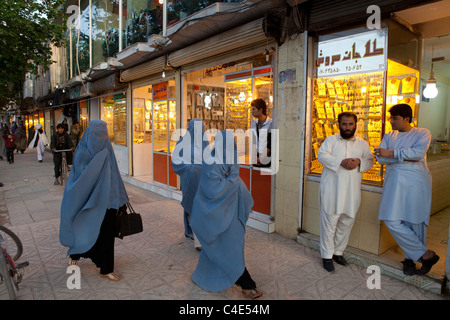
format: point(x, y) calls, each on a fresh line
point(93, 186)
point(219, 214)
point(187, 157)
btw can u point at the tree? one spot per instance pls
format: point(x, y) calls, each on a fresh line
point(27, 29)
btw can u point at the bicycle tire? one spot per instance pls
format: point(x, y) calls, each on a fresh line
point(15, 254)
point(63, 170)
point(6, 276)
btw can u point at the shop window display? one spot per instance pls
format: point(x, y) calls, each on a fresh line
point(114, 113)
point(369, 96)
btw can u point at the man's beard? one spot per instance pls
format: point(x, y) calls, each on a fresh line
point(347, 134)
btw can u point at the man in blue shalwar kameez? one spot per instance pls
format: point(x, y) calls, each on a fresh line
point(406, 199)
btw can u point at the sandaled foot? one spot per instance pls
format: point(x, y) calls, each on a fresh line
point(252, 293)
point(111, 276)
point(73, 262)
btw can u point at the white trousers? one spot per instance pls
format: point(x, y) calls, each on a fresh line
point(40, 148)
point(334, 233)
point(410, 237)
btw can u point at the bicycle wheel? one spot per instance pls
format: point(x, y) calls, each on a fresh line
point(64, 170)
point(11, 243)
point(5, 275)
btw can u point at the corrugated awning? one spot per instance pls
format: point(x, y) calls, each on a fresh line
point(242, 36)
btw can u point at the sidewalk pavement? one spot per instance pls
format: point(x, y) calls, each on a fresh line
point(157, 263)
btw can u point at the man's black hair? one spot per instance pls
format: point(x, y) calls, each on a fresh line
point(259, 104)
point(403, 110)
point(347, 114)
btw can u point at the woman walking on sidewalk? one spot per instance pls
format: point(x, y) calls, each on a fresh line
point(220, 211)
point(188, 165)
point(94, 192)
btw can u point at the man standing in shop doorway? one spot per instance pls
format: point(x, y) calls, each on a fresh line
point(406, 200)
point(262, 126)
point(344, 158)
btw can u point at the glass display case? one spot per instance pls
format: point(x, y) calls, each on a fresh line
point(160, 126)
point(142, 132)
point(206, 103)
point(237, 101)
point(120, 120)
point(241, 88)
point(369, 96)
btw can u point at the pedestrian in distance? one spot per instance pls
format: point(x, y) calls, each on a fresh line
point(219, 214)
point(187, 159)
point(75, 133)
point(31, 133)
point(406, 199)
point(10, 144)
point(2, 148)
point(39, 142)
point(344, 158)
point(93, 193)
point(60, 141)
point(21, 141)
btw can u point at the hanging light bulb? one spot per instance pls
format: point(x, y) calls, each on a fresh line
point(163, 74)
point(431, 91)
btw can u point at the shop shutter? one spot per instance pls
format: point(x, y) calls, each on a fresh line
point(328, 14)
point(242, 36)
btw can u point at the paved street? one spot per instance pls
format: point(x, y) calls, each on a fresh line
point(157, 263)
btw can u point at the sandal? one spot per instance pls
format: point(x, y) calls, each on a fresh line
point(111, 276)
point(252, 293)
point(73, 262)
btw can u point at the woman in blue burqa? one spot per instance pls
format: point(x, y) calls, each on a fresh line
point(219, 214)
point(187, 158)
point(93, 193)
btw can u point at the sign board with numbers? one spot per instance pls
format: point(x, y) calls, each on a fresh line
point(361, 53)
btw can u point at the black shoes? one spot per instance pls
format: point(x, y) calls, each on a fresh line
point(409, 267)
point(328, 265)
point(427, 264)
point(340, 260)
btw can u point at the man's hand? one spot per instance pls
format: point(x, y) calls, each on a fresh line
point(382, 152)
point(350, 163)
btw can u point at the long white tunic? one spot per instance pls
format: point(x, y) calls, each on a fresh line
point(407, 185)
point(340, 189)
point(42, 142)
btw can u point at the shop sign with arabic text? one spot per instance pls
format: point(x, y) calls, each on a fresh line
point(361, 53)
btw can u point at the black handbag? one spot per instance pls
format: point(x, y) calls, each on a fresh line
point(127, 223)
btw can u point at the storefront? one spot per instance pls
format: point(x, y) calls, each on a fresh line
point(154, 116)
point(219, 95)
point(111, 108)
point(365, 72)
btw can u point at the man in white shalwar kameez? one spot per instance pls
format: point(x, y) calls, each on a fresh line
point(344, 158)
point(39, 142)
point(406, 199)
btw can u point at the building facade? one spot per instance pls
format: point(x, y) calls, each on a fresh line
point(147, 74)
